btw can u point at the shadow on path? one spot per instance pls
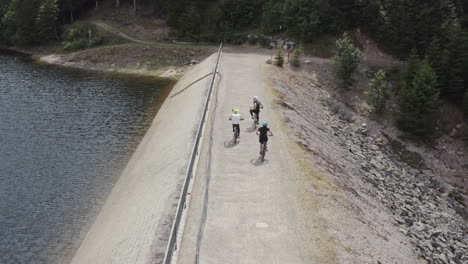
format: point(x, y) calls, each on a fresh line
point(258, 162)
point(230, 143)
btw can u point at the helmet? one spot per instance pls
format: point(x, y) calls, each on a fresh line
point(255, 98)
point(236, 111)
point(265, 123)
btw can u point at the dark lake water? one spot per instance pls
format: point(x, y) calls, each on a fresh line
point(65, 137)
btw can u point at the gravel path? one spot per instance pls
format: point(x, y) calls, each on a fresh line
point(283, 210)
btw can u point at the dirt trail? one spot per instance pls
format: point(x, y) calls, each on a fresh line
point(119, 33)
point(281, 211)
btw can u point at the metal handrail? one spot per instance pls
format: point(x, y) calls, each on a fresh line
point(172, 244)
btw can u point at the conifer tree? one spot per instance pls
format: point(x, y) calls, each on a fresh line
point(412, 66)
point(379, 92)
point(434, 58)
point(346, 61)
point(296, 59)
point(280, 57)
point(46, 21)
point(453, 87)
point(465, 104)
point(418, 103)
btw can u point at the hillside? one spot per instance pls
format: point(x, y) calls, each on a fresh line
point(369, 99)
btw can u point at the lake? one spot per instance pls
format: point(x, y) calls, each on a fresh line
point(65, 137)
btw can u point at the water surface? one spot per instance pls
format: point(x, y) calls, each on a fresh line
point(65, 137)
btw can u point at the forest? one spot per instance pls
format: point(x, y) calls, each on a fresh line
point(433, 33)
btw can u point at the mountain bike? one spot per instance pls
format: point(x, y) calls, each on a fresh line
point(263, 151)
point(255, 120)
point(236, 135)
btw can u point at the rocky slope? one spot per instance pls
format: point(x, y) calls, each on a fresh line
point(372, 165)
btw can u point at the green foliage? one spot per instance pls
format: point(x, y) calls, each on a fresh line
point(190, 23)
point(434, 56)
point(412, 67)
point(25, 22)
point(235, 38)
point(240, 13)
point(418, 103)
point(75, 45)
point(21, 22)
point(46, 21)
point(296, 59)
point(8, 24)
point(454, 63)
point(379, 92)
point(304, 19)
point(279, 60)
point(77, 37)
point(346, 61)
point(264, 41)
point(465, 104)
point(196, 19)
point(3, 9)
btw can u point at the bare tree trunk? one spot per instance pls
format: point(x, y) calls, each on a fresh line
point(71, 16)
point(134, 6)
point(117, 3)
point(97, 4)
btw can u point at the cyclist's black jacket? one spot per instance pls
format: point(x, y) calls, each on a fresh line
point(263, 132)
point(257, 105)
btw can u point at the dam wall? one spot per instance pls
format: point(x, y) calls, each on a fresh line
point(134, 224)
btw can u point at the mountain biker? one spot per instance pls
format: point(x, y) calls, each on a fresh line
point(263, 138)
point(256, 108)
point(236, 118)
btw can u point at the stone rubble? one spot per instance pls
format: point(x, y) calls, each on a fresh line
point(422, 211)
point(358, 154)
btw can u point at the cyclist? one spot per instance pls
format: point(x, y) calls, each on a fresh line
point(236, 118)
point(263, 138)
point(256, 107)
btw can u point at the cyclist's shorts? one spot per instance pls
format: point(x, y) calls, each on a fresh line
point(263, 139)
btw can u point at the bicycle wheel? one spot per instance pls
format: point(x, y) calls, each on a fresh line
point(263, 152)
point(236, 135)
point(255, 122)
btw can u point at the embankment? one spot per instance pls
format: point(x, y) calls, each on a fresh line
point(134, 223)
point(163, 60)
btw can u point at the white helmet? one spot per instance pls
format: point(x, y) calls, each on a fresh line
point(255, 98)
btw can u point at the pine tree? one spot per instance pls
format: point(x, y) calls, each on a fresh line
point(346, 61)
point(465, 104)
point(190, 23)
point(280, 58)
point(412, 66)
point(23, 14)
point(434, 58)
point(453, 60)
point(379, 92)
point(46, 21)
point(296, 59)
point(418, 103)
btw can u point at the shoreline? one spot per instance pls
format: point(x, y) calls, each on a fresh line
point(80, 60)
point(134, 222)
